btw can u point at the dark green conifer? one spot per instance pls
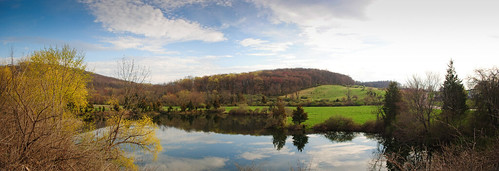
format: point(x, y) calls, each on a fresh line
point(453, 96)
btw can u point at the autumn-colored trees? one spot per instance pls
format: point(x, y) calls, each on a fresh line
point(37, 117)
point(268, 82)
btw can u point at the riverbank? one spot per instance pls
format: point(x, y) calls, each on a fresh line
point(320, 119)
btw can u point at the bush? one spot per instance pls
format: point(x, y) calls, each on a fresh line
point(373, 126)
point(337, 123)
point(242, 109)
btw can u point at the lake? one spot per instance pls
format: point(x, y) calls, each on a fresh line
point(204, 149)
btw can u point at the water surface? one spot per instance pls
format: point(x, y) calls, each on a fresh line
point(205, 150)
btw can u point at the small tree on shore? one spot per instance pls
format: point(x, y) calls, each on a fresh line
point(390, 107)
point(453, 96)
point(299, 115)
point(279, 113)
point(485, 94)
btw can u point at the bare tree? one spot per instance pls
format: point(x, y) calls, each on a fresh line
point(420, 95)
point(485, 94)
point(130, 72)
point(134, 76)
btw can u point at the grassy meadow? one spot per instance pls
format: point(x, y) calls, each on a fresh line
point(333, 92)
point(359, 114)
point(316, 115)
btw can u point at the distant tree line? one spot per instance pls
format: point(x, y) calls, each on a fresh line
point(253, 88)
point(376, 84)
point(266, 82)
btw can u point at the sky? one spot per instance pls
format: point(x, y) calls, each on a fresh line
point(369, 40)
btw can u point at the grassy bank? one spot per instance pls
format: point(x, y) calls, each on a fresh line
point(318, 115)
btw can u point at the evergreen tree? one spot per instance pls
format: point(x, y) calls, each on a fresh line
point(216, 103)
point(299, 115)
point(299, 141)
point(390, 105)
point(190, 106)
point(453, 96)
point(279, 138)
point(264, 100)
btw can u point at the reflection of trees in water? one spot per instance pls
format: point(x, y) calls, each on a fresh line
point(299, 140)
point(339, 136)
point(396, 155)
point(279, 138)
point(232, 124)
point(218, 123)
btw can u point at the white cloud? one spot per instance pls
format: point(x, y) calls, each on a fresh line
point(391, 39)
point(262, 54)
point(252, 42)
point(261, 153)
point(340, 156)
point(145, 26)
point(264, 45)
point(187, 164)
point(253, 156)
point(165, 69)
point(313, 12)
point(155, 45)
point(173, 4)
point(323, 24)
point(217, 57)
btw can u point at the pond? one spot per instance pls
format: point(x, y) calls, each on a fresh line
point(205, 146)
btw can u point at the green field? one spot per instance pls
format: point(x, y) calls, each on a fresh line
point(228, 108)
point(359, 114)
point(316, 115)
point(333, 92)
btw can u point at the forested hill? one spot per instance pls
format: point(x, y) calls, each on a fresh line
point(267, 82)
point(101, 81)
point(102, 88)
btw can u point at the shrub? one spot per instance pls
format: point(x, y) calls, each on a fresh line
point(337, 123)
point(373, 126)
point(242, 109)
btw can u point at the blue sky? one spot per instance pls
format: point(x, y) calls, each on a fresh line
point(366, 39)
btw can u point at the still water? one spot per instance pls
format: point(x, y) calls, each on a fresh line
point(213, 151)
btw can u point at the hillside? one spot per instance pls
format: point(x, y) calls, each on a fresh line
point(329, 94)
point(101, 88)
point(266, 82)
point(101, 82)
point(228, 88)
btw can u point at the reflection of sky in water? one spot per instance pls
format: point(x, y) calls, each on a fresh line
point(211, 151)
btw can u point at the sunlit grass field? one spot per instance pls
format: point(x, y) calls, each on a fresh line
point(333, 92)
point(316, 115)
point(359, 114)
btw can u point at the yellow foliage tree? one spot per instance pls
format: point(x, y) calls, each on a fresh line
point(38, 126)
